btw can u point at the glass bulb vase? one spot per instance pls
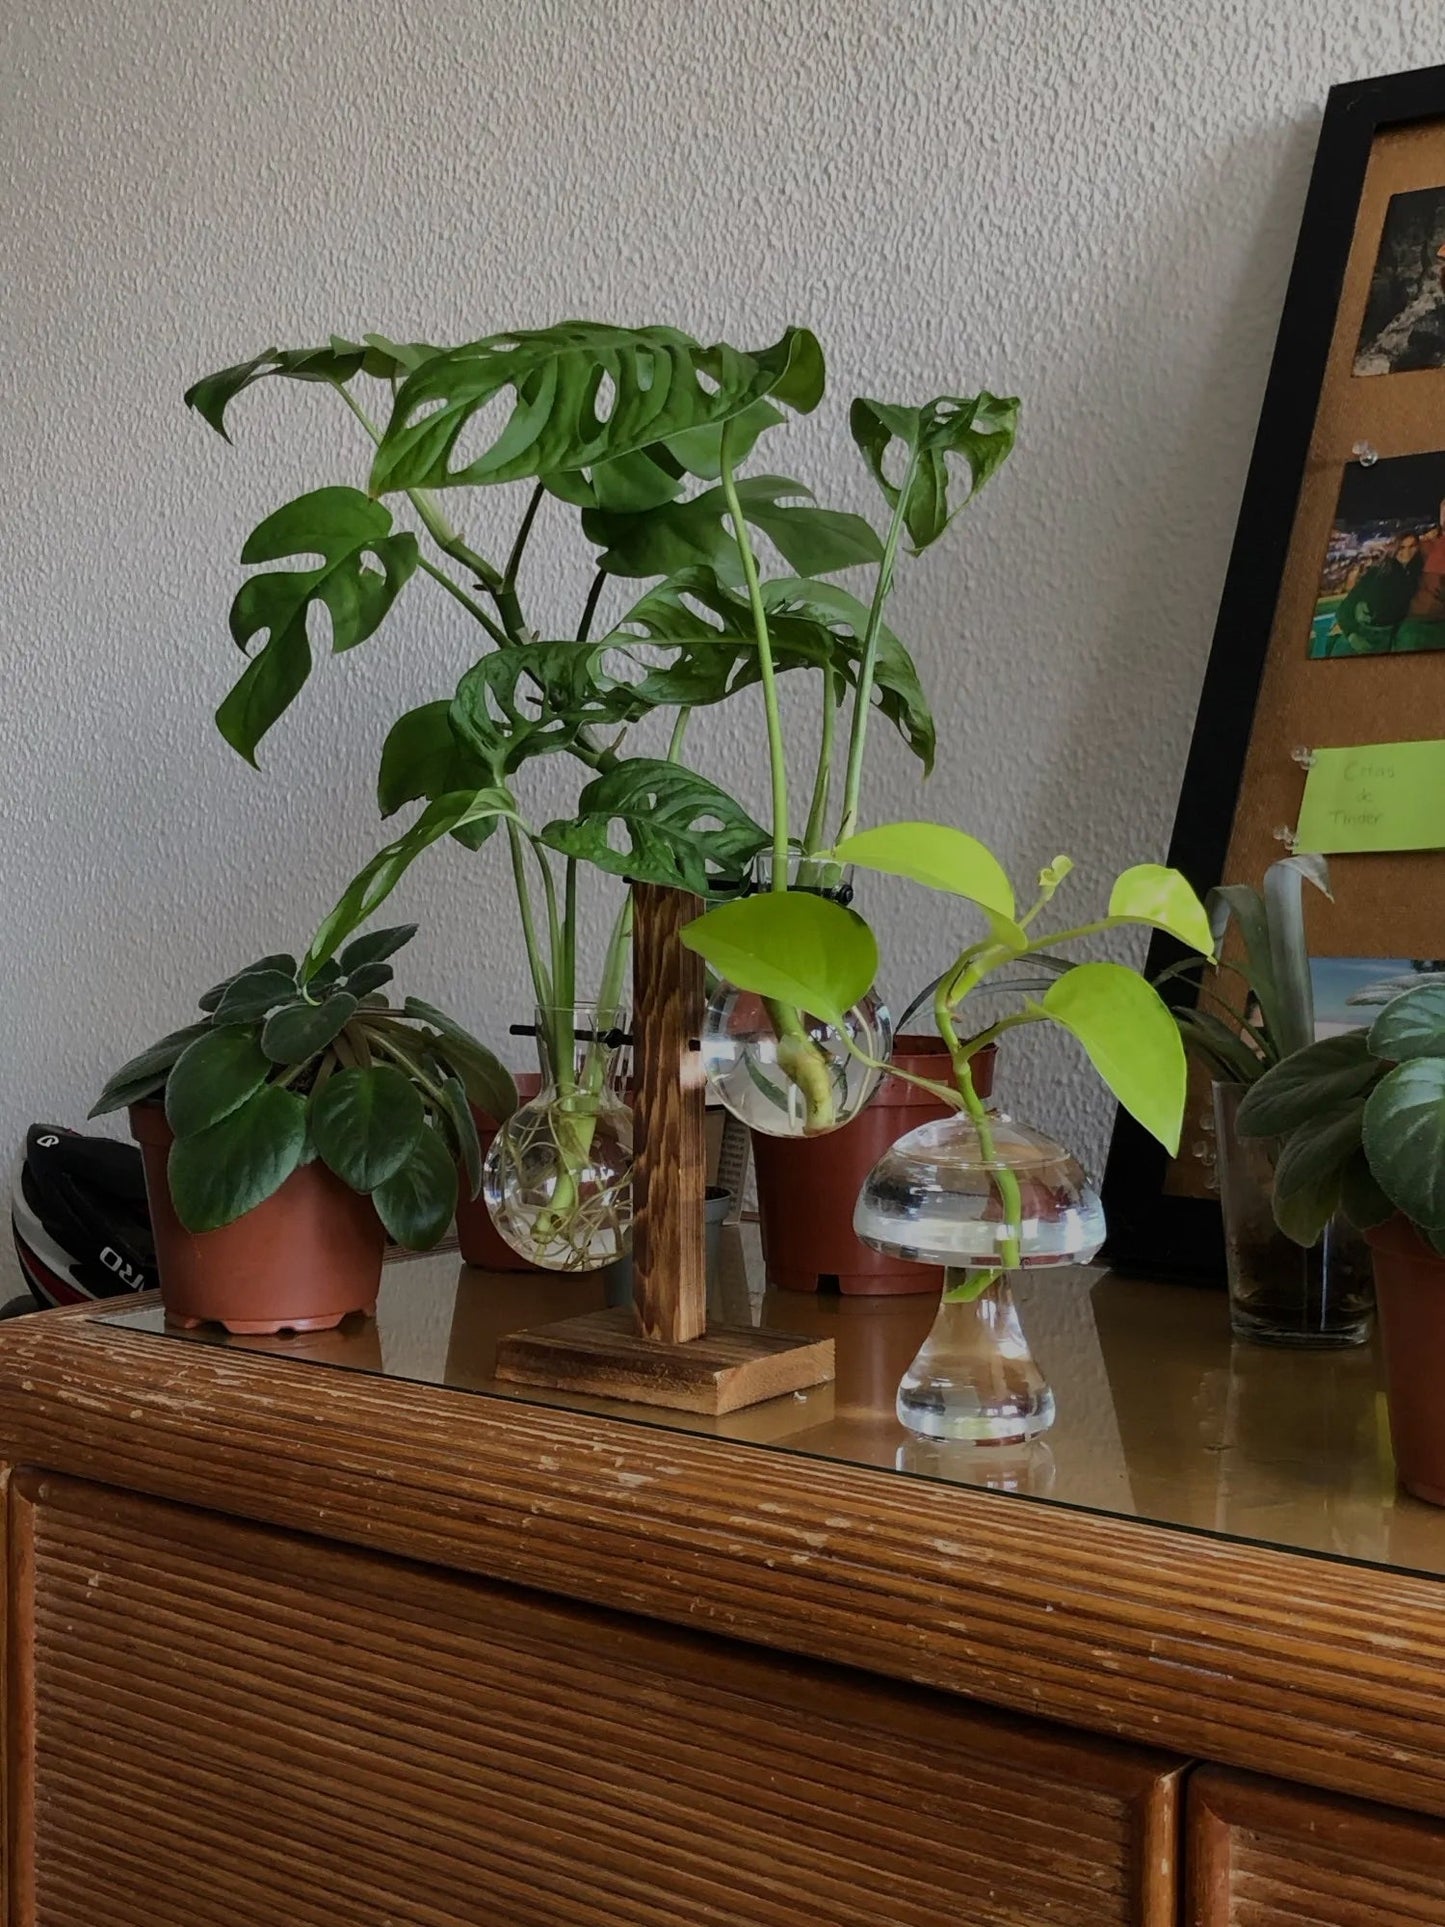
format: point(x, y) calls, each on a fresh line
point(984, 1197)
point(558, 1177)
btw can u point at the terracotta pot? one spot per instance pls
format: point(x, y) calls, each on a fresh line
point(481, 1243)
point(807, 1187)
point(299, 1262)
point(1410, 1296)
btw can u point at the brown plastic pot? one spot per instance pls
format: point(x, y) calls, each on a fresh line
point(481, 1243)
point(807, 1186)
point(1410, 1296)
point(299, 1262)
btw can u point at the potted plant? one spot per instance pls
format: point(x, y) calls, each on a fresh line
point(294, 1125)
point(976, 1193)
point(1255, 1007)
point(641, 432)
point(1360, 1120)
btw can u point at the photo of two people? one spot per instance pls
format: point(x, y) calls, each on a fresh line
point(1382, 587)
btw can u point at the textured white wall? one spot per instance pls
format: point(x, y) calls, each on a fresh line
point(1091, 203)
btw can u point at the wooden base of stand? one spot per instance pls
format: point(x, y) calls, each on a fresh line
point(605, 1354)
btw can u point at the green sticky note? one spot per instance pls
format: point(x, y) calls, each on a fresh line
point(1382, 796)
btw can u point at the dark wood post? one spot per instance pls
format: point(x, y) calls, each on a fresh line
point(669, 1174)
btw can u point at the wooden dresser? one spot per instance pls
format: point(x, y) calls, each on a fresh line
point(334, 1630)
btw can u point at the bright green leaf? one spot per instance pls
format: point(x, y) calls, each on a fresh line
point(220, 1173)
point(799, 949)
point(1154, 894)
point(365, 1123)
point(1131, 1039)
point(936, 856)
point(212, 1076)
point(417, 1201)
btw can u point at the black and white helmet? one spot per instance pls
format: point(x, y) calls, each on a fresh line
point(78, 1212)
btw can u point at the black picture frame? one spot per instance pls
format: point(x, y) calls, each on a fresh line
point(1151, 1231)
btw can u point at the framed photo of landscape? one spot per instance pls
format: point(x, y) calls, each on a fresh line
point(1331, 628)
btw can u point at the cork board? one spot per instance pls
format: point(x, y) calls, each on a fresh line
point(1295, 667)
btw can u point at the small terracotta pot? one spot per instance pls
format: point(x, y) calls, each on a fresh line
point(807, 1186)
point(1410, 1295)
point(299, 1262)
point(481, 1243)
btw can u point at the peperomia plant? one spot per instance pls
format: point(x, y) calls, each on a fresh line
point(286, 1066)
point(1361, 1123)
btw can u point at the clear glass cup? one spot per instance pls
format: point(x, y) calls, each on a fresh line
point(558, 1176)
point(1279, 1292)
point(984, 1198)
point(786, 1072)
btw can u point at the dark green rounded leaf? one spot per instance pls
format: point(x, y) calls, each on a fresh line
point(213, 1076)
point(1361, 1199)
point(368, 977)
point(281, 961)
point(237, 1163)
point(416, 1204)
point(371, 947)
point(145, 1074)
point(1411, 1026)
point(1405, 1138)
point(488, 1084)
point(252, 994)
point(464, 1125)
point(1321, 1077)
point(300, 1030)
point(1309, 1176)
point(366, 1123)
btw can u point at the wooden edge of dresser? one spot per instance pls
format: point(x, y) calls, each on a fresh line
point(1223, 1803)
point(18, 1883)
point(1199, 1646)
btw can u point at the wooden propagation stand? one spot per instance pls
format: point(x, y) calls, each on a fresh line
point(661, 1351)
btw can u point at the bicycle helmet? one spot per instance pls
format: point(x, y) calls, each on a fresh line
point(79, 1216)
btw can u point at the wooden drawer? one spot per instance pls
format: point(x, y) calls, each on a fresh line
point(220, 1725)
point(1262, 1854)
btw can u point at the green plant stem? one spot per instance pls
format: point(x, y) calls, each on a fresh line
point(514, 560)
point(589, 607)
point(823, 778)
point(863, 693)
point(454, 589)
point(777, 761)
point(541, 983)
point(679, 730)
point(1004, 1181)
point(388, 1046)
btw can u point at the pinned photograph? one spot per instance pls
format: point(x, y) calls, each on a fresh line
point(1404, 326)
point(1382, 587)
point(1350, 992)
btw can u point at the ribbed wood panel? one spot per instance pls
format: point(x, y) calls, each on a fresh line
point(234, 1727)
point(1265, 1855)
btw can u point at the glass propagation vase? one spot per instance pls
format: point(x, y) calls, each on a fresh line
point(787, 1072)
point(558, 1177)
point(983, 1199)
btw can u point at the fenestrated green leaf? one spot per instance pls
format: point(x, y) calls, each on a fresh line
point(1404, 1138)
point(518, 703)
point(1153, 894)
point(1321, 1077)
point(352, 534)
point(790, 945)
point(145, 1073)
point(212, 1076)
point(1412, 1025)
point(281, 961)
point(652, 384)
point(253, 993)
point(373, 884)
point(337, 363)
point(424, 757)
point(1131, 1039)
point(938, 857)
point(699, 450)
point(374, 945)
point(226, 1170)
point(488, 1084)
point(365, 1123)
point(1361, 1199)
point(300, 1030)
point(454, 1099)
point(1310, 1171)
point(417, 1202)
point(652, 821)
point(683, 535)
point(978, 429)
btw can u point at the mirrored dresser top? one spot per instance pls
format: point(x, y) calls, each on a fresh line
point(1160, 1416)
